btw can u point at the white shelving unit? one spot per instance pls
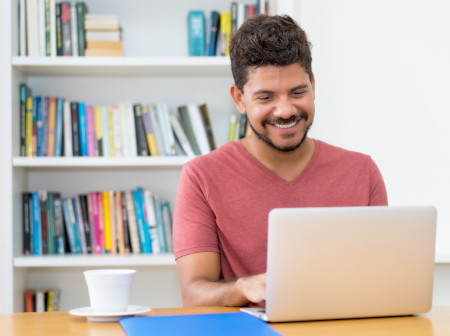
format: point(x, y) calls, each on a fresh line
point(155, 68)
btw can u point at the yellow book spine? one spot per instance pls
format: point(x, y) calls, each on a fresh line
point(228, 33)
point(112, 150)
point(29, 127)
point(51, 126)
point(98, 129)
point(49, 301)
point(113, 222)
point(232, 132)
point(106, 216)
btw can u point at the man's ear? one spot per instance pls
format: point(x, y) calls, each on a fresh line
point(313, 84)
point(238, 98)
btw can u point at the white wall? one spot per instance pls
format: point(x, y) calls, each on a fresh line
point(382, 72)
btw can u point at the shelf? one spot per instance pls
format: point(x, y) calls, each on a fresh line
point(122, 66)
point(130, 260)
point(100, 162)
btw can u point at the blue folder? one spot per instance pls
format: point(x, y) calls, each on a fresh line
point(200, 324)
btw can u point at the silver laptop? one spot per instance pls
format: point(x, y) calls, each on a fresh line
point(349, 262)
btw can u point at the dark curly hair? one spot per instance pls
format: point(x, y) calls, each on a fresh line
point(268, 40)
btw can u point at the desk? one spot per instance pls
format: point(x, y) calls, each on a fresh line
point(435, 323)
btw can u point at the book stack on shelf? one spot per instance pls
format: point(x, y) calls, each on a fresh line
point(103, 35)
point(41, 300)
point(54, 126)
point(50, 28)
point(210, 36)
point(98, 222)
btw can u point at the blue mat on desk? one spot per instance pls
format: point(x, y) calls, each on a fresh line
point(199, 324)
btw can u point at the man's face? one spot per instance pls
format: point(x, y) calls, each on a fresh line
point(279, 102)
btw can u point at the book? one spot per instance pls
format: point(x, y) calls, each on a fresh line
point(101, 22)
point(105, 132)
point(67, 134)
point(32, 24)
point(58, 221)
point(59, 126)
point(181, 135)
point(214, 26)
point(42, 29)
point(159, 223)
point(232, 130)
point(58, 23)
point(111, 147)
point(103, 48)
point(196, 33)
point(149, 208)
point(69, 224)
point(131, 130)
point(112, 222)
point(29, 127)
point(103, 35)
point(74, 29)
point(150, 136)
point(186, 122)
point(39, 124)
point(156, 130)
point(119, 223)
point(208, 126)
point(66, 29)
point(26, 223)
point(126, 234)
point(98, 130)
point(90, 130)
point(29, 301)
point(81, 10)
point(51, 126)
point(40, 301)
point(142, 224)
point(141, 141)
point(92, 205)
point(242, 126)
point(42, 194)
point(86, 223)
point(82, 129)
point(80, 226)
point(52, 26)
point(167, 220)
point(50, 213)
point(162, 113)
point(36, 224)
point(106, 221)
point(76, 151)
point(132, 222)
point(45, 126)
point(22, 29)
point(101, 222)
point(199, 128)
point(117, 130)
point(23, 97)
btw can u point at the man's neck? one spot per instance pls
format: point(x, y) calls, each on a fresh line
point(286, 165)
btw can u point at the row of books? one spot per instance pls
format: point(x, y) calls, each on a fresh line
point(98, 222)
point(54, 126)
point(41, 300)
point(211, 36)
point(239, 127)
point(64, 28)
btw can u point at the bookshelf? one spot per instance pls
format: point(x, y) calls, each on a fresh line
point(155, 68)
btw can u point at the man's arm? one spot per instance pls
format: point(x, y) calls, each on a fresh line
point(199, 275)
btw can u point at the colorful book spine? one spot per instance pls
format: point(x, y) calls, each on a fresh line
point(196, 33)
point(151, 219)
point(105, 132)
point(75, 129)
point(83, 129)
point(112, 222)
point(81, 12)
point(160, 223)
point(68, 148)
point(90, 130)
point(214, 32)
point(39, 124)
point(167, 219)
point(36, 220)
point(51, 126)
point(132, 222)
point(59, 126)
point(151, 142)
point(23, 99)
point(101, 222)
point(98, 130)
point(29, 127)
point(109, 112)
point(26, 222)
point(106, 220)
point(141, 222)
point(119, 223)
point(69, 226)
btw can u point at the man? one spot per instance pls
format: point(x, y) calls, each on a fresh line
point(223, 199)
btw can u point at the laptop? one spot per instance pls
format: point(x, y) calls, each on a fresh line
point(349, 262)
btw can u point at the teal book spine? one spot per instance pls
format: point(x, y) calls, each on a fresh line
point(196, 33)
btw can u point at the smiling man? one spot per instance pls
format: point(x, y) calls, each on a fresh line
point(224, 198)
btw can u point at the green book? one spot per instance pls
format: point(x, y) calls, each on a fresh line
point(184, 114)
point(81, 10)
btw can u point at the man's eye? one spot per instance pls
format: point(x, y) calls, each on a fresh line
point(264, 98)
point(297, 93)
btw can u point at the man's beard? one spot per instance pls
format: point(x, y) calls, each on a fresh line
point(278, 148)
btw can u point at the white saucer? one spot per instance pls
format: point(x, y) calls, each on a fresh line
point(108, 316)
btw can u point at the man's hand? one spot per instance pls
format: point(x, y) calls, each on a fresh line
point(201, 285)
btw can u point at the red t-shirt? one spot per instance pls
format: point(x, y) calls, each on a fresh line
point(224, 198)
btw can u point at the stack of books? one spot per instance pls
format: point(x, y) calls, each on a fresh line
point(103, 35)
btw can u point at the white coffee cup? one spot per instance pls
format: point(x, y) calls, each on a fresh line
point(109, 289)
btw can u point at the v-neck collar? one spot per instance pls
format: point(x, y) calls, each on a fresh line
point(266, 171)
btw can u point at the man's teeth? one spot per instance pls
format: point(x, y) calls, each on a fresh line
point(286, 125)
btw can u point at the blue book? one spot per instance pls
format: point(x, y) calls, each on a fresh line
point(36, 223)
point(50, 224)
point(69, 226)
point(59, 126)
point(143, 229)
point(45, 126)
point(214, 32)
point(37, 104)
point(160, 224)
point(83, 128)
point(234, 323)
point(196, 33)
